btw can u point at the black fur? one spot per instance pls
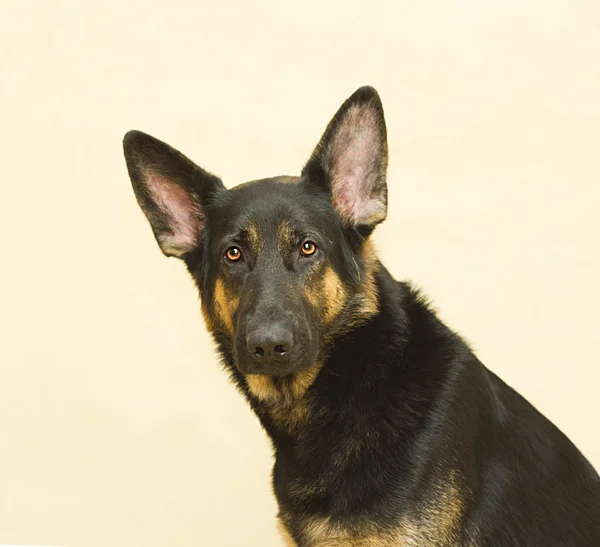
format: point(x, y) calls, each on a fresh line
point(401, 411)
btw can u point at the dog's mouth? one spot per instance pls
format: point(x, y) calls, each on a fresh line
point(269, 370)
point(274, 368)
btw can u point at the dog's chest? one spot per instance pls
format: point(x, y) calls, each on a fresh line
point(320, 532)
point(434, 520)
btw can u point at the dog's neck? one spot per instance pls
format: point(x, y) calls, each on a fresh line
point(360, 411)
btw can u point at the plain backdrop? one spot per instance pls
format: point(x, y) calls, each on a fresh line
point(117, 426)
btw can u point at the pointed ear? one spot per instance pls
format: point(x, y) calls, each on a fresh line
point(171, 190)
point(350, 161)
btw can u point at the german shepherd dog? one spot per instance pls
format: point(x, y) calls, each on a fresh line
point(387, 430)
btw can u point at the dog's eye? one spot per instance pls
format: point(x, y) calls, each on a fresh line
point(308, 248)
point(233, 254)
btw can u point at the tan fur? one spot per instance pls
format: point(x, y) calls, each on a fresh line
point(303, 381)
point(364, 303)
point(436, 523)
point(327, 295)
point(253, 237)
point(263, 388)
point(225, 305)
point(370, 296)
point(285, 237)
point(312, 293)
point(285, 535)
point(294, 406)
point(286, 398)
point(334, 293)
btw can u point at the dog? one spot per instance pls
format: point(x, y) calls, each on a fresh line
point(387, 429)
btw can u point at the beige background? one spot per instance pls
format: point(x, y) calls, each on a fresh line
point(117, 426)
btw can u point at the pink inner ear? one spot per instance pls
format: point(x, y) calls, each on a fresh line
point(181, 210)
point(356, 154)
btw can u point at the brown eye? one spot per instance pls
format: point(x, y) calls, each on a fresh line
point(233, 254)
point(308, 248)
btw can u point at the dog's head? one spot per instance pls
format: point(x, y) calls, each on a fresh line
point(282, 264)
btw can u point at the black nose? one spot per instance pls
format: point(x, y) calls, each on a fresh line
point(270, 342)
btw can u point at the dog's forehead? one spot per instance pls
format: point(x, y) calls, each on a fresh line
point(265, 195)
point(268, 202)
point(276, 212)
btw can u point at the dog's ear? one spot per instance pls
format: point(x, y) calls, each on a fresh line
point(350, 161)
point(171, 190)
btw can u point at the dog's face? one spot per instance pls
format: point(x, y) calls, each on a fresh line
point(282, 264)
point(273, 274)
